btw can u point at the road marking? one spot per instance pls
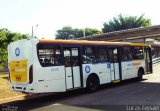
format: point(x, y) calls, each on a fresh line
point(57, 104)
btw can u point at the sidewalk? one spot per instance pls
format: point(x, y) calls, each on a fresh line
point(156, 69)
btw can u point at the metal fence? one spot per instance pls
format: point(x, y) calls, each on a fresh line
point(156, 61)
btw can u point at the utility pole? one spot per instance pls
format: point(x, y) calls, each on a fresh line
point(84, 33)
point(33, 30)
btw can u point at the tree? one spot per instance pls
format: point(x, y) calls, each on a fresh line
point(7, 37)
point(65, 33)
point(68, 32)
point(90, 32)
point(125, 22)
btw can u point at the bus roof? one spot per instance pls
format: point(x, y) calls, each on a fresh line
point(85, 42)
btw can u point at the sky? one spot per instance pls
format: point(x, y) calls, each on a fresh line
point(48, 16)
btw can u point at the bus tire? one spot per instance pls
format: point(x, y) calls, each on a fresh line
point(92, 83)
point(140, 74)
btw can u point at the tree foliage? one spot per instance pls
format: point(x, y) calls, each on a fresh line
point(125, 22)
point(7, 37)
point(68, 32)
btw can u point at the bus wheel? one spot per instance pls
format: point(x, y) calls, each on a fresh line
point(140, 74)
point(92, 83)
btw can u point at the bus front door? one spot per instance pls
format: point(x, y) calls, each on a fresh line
point(114, 63)
point(72, 67)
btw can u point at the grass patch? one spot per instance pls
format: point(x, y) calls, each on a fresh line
point(5, 91)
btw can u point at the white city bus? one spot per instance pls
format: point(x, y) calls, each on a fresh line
point(40, 66)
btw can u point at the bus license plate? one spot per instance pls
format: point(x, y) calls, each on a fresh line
point(18, 78)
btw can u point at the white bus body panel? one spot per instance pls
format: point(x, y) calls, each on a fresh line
point(45, 79)
point(130, 68)
point(73, 81)
point(19, 51)
point(69, 83)
point(50, 79)
point(76, 76)
point(115, 71)
point(136, 64)
point(101, 69)
point(105, 71)
point(126, 69)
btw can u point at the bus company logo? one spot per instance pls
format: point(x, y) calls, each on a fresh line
point(17, 51)
point(87, 69)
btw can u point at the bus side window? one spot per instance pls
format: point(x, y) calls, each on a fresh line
point(126, 53)
point(113, 55)
point(49, 56)
point(88, 54)
point(101, 54)
point(71, 57)
point(67, 59)
point(110, 53)
point(75, 59)
point(138, 53)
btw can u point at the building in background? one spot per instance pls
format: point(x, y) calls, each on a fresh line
point(139, 35)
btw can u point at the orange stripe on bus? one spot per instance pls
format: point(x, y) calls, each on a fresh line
point(83, 42)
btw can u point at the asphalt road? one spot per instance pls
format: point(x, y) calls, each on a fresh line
point(126, 96)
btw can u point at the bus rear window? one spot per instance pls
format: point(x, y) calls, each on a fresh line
point(49, 55)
